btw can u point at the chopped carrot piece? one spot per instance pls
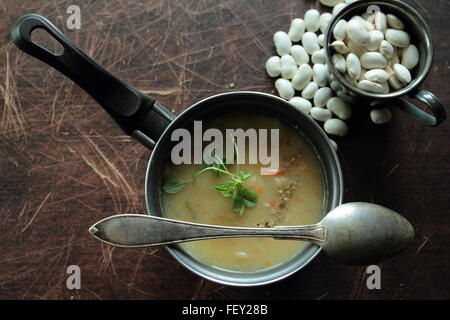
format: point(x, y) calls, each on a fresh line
point(272, 203)
point(276, 172)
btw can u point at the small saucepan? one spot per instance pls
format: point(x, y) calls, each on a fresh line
point(142, 117)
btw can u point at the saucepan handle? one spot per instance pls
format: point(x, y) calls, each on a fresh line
point(136, 113)
point(433, 119)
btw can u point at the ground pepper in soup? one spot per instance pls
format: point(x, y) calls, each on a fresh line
point(291, 195)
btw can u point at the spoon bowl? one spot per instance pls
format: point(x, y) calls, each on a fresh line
point(365, 233)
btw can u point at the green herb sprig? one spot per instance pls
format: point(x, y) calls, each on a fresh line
point(234, 189)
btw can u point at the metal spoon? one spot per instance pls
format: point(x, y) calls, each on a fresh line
point(354, 233)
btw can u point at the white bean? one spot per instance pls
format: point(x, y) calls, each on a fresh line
point(336, 127)
point(385, 87)
point(310, 43)
point(340, 47)
point(273, 66)
point(370, 86)
point(376, 36)
point(387, 49)
point(338, 8)
point(402, 73)
point(340, 108)
point(394, 60)
point(336, 86)
point(410, 57)
point(297, 29)
point(339, 62)
point(321, 40)
point(302, 77)
point(355, 48)
point(353, 66)
point(347, 98)
point(321, 114)
point(357, 33)
point(395, 83)
point(340, 30)
point(288, 67)
point(312, 17)
point(389, 70)
point(398, 38)
point(373, 60)
point(282, 42)
point(320, 74)
point(366, 24)
point(377, 75)
point(381, 116)
point(310, 90)
point(322, 96)
point(284, 88)
point(330, 3)
point(353, 82)
point(299, 54)
point(380, 21)
point(394, 22)
point(363, 75)
point(370, 17)
point(324, 21)
point(301, 104)
point(319, 57)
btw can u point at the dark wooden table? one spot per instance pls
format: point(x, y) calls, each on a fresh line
point(64, 164)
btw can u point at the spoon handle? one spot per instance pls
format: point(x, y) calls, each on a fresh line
point(137, 230)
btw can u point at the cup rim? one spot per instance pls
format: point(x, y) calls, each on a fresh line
point(356, 6)
point(309, 253)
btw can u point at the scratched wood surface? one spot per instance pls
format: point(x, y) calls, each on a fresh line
point(64, 164)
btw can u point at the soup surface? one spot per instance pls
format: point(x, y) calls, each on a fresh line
point(293, 195)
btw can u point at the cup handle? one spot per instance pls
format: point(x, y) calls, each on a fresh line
point(438, 113)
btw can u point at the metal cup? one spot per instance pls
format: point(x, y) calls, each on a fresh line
point(420, 33)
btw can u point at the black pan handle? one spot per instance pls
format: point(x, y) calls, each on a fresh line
point(137, 114)
point(437, 116)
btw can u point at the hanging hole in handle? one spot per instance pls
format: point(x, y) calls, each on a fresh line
point(45, 40)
